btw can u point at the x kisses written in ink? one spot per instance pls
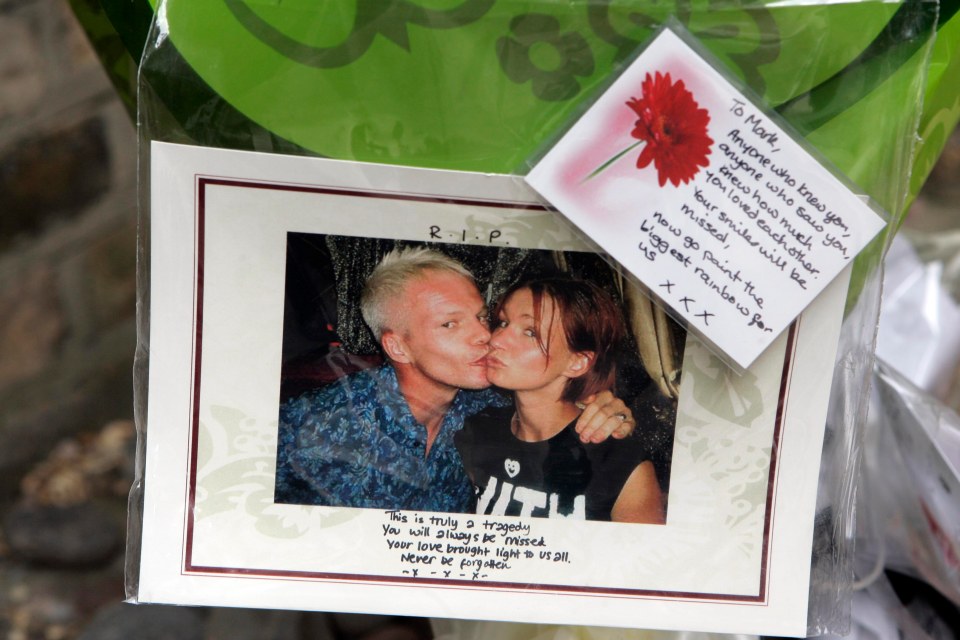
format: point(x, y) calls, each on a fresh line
point(705, 198)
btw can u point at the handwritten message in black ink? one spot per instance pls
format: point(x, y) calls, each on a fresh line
point(747, 219)
point(436, 232)
point(714, 205)
point(430, 545)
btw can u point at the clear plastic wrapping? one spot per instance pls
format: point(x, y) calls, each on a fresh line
point(911, 477)
point(480, 86)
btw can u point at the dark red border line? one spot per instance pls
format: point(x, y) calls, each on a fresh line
point(469, 585)
point(189, 567)
point(384, 195)
point(198, 331)
point(785, 376)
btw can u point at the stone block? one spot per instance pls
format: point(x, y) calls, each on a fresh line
point(98, 283)
point(91, 466)
point(22, 67)
point(73, 395)
point(31, 325)
point(52, 176)
point(75, 51)
point(79, 535)
point(111, 265)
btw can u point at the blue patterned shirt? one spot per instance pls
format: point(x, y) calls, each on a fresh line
point(354, 443)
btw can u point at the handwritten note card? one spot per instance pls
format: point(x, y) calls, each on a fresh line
point(706, 199)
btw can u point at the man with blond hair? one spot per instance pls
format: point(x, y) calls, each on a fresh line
point(383, 437)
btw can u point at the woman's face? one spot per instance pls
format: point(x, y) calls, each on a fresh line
point(516, 360)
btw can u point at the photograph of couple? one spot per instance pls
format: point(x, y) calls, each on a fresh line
point(473, 379)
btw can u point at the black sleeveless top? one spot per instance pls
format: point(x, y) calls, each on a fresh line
point(557, 478)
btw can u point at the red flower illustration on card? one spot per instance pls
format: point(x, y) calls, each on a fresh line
point(674, 128)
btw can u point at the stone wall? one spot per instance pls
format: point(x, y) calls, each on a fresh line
point(67, 237)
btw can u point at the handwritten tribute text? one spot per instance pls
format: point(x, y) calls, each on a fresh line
point(750, 227)
point(750, 203)
point(464, 548)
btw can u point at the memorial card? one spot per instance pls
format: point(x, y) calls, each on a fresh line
point(706, 198)
point(343, 358)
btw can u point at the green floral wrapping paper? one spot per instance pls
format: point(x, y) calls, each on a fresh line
point(482, 85)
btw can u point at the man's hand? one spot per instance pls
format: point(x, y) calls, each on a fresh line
point(604, 415)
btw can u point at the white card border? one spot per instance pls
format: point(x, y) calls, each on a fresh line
point(781, 610)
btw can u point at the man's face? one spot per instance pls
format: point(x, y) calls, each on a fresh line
point(442, 326)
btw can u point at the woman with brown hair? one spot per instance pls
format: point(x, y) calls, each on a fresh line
point(554, 344)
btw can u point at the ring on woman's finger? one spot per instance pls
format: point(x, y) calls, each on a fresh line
point(622, 416)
